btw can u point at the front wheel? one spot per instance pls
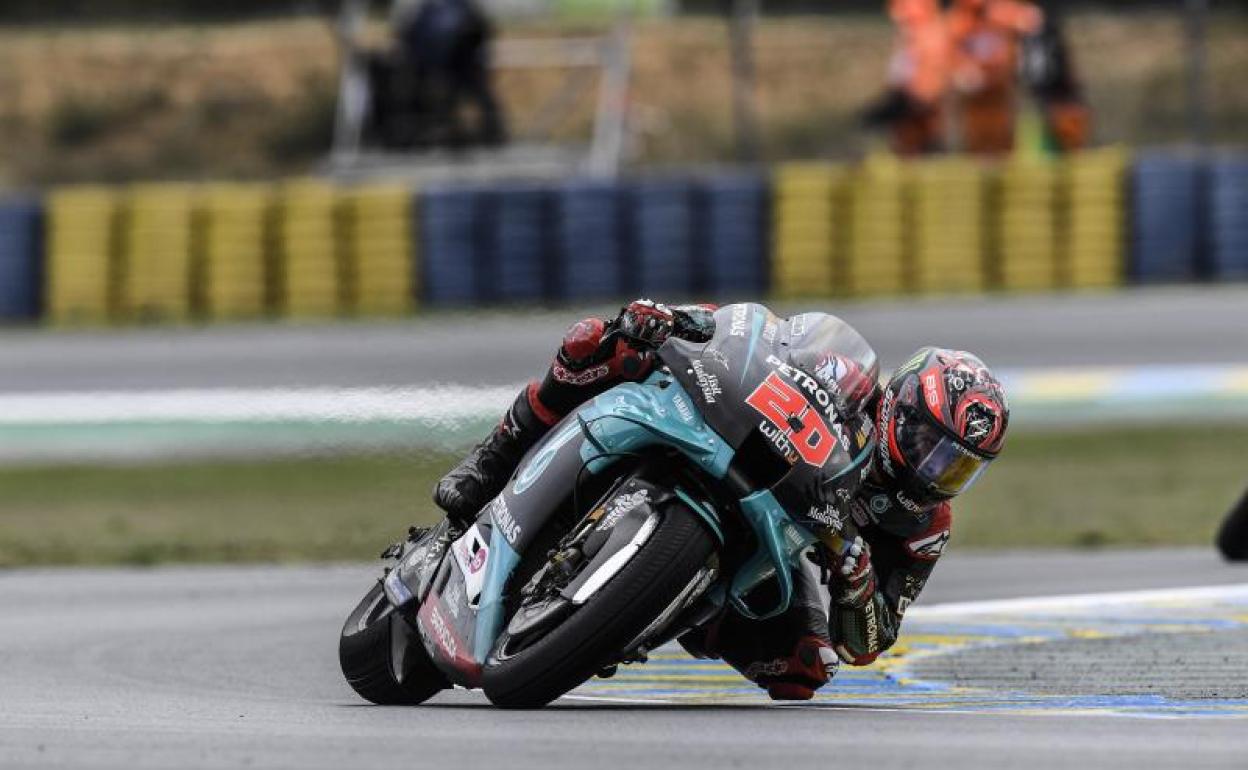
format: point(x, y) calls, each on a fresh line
point(382, 657)
point(582, 644)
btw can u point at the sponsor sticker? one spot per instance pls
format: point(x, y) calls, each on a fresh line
point(792, 415)
point(569, 377)
point(797, 325)
point(709, 383)
point(623, 504)
point(738, 325)
point(503, 519)
point(473, 556)
point(930, 547)
point(827, 515)
point(442, 632)
point(683, 408)
point(453, 598)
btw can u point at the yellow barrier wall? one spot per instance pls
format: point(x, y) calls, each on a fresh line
point(1026, 225)
point(83, 265)
point(877, 253)
point(808, 220)
point(949, 225)
point(1094, 209)
point(157, 249)
point(377, 241)
point(236, 236)
point(309, 282)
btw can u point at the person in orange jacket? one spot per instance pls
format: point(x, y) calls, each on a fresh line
point(912, 106)
point(985, 38)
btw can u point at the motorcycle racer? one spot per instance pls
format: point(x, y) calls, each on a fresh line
point(939, 422)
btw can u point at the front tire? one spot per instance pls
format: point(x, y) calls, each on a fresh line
point(375, 643)
point(583, 643)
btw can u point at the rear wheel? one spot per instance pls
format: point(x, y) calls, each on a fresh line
point(1233, 536)
point(383, 658)
point(585, 641)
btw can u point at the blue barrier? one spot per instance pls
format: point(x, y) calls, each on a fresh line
point(1166, 225)
point(662, 237)
point(454, 246)
point(21, 259)
point(590, 261)
point(1228, 214)
point(732, 236)
point(520, 242)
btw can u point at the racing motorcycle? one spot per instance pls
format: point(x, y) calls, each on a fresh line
point(645, 514)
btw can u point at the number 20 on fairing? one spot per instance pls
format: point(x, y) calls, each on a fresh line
point(792, 414)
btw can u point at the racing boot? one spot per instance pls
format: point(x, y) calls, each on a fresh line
point(790, 656)
point(481, 476)
point(586, 364)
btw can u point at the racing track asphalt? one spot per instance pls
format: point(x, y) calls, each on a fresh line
point(211, 667)
point(1143, 326)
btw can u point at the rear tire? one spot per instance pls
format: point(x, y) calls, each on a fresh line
point(1233, 536)
point(583, 643)
point(370, 638)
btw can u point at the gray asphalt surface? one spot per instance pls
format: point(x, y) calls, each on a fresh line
point(1170, 325)
point(236, 667)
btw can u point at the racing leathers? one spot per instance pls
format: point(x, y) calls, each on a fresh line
point(893, 547)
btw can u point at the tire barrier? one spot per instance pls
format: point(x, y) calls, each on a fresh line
point(589, 252)
point(662, 238)
point(1025, 237)
point(308, 278)
point(808, 216)
point(1228, 213)
point(157, 253)
point(1166, 217)
point(731, 220)
point(1092, 225)
point(83, 265)
point(21, 251)
point(950, 196)
point(520, 243)
point(236, 230)
point(878, 251)
point(453, 246)
point(309, 249)
point(375, 226)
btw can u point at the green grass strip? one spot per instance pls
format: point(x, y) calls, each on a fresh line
point(1165, 485)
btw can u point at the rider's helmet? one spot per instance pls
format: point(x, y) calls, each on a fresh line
point(941, 421)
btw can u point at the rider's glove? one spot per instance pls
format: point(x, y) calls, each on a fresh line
point(853, 579)
point(645, 322)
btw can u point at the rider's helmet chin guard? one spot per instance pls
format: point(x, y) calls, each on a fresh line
point(941, 422)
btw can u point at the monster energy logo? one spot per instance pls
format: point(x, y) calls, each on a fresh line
point(913, 364)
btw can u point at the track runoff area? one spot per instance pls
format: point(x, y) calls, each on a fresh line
point(1163, 654)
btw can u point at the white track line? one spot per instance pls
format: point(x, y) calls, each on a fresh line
point(1077, 601)
point(436, 403)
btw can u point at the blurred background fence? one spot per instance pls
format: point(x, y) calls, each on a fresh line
point(311, 249)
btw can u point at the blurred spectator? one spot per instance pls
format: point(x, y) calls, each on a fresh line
point(1050, 73)
point(985, 37)
point(911, 108)
point(443, 53)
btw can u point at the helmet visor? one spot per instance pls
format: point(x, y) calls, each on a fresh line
point(937, 459)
